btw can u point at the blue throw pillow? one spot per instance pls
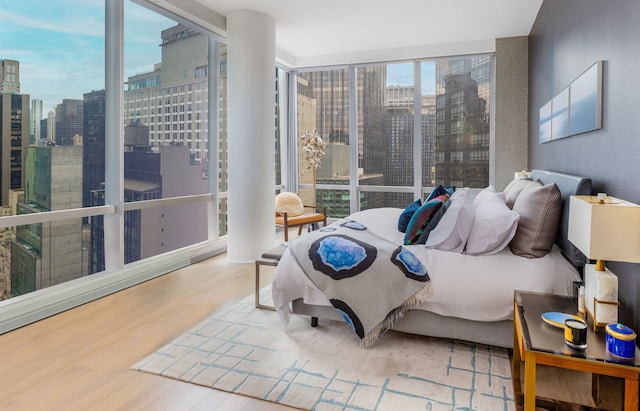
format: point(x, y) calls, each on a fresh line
point(406, 215)
point(422, 217)
point(440, 190)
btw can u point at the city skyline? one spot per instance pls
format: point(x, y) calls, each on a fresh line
point(60, 46)
point(69, 62)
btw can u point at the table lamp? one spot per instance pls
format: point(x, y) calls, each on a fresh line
point(604, 228)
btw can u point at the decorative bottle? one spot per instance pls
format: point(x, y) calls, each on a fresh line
point(581, 306)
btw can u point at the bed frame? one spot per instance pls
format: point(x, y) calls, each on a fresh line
point(498, 333)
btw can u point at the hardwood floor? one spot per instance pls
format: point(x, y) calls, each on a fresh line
point(80, 359)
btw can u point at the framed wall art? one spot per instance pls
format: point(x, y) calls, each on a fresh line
point(560, 119)
point(576, 109)
point(586, 101)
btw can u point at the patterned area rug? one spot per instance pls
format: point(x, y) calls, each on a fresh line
point(244, 350)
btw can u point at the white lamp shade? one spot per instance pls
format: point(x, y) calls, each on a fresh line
point(608, 231)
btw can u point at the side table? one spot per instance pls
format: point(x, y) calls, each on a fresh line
point(536, 342)
point(270, 258)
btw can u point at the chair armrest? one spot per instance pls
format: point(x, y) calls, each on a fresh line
point(322, 209)
point(285, 217)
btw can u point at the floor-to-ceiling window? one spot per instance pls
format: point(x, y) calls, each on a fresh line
point(323, 107)
point(52, 60)
point(385, 133)
point(439, 108)
point(462, 133)
point(55, 97)
point(53, 76)
point(166, 131)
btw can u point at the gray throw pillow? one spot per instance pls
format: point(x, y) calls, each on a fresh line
point(539, 208)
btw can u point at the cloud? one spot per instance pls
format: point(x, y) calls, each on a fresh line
point(60, 45)
point(14, 52)
point(86, 26)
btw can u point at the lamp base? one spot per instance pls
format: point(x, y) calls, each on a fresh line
point(597, 325)
point(601, 296)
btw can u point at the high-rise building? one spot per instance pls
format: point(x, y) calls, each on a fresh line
point(330, 90)
point(428, 140)
point(44, 127)
point(8, 234)
point(14, 138)
point(399, 131)
point(51, 253)
point(399, 124)
point(223, 138)
point(36, 119)
point(307, 124)
point(10, 76)
point(372, 139)
point(152, 172)
point(69, 121)
point(51, 127)
point(93, 148)
point(172, 99)
point(462, 122)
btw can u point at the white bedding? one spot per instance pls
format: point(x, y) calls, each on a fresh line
point(476, 288)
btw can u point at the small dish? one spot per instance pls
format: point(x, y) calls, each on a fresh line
point(557, 319)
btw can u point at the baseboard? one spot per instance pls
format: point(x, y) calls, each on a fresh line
point(25, 309)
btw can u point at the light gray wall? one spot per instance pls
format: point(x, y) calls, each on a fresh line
point(567, 37)
point(511, 108)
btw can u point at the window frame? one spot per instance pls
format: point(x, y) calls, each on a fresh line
point(354, 188)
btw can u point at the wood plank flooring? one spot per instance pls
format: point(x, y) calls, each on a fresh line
point(80, 359)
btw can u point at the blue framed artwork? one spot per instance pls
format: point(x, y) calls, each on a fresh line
point(576, 109)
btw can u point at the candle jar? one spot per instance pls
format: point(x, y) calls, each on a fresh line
point(575, 333)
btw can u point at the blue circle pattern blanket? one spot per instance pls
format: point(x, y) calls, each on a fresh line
point(371, 281)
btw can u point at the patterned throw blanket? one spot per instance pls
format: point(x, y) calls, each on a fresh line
point(371, 281)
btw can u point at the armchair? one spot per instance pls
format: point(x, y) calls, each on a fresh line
point(290, 212)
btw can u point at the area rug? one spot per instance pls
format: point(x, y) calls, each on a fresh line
point(245, 350)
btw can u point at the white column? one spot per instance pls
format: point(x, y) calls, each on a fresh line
point(251, 122)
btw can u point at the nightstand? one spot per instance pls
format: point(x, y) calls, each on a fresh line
point(538, 343)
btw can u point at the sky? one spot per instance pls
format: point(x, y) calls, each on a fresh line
point(402, 75)
point(60, 47)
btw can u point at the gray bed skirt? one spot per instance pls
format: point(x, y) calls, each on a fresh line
point(499, 334)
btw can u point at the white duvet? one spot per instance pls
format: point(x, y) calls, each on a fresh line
point(478, 288)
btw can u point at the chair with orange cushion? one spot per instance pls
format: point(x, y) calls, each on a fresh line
point(290, 212)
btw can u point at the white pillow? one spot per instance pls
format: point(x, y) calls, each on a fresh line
point(494, 225)
point(452, 231)
point(485, 193)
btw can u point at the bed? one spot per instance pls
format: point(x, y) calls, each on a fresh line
point(472, 296)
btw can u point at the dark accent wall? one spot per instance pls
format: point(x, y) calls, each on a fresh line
point(567, 37)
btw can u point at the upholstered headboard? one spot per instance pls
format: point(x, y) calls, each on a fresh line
point(569, 185)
